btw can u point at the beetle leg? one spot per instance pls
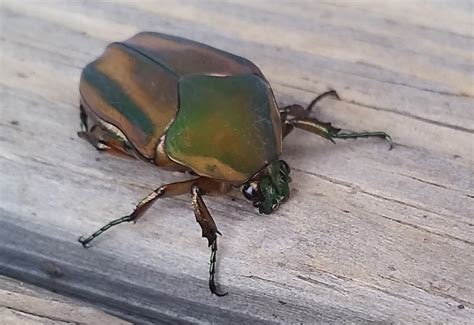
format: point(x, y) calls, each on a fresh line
point(106, 141)
point(168, 190)
point(320, 97)
point(295, 111)
point(300, 119)
point(298, 112)
point(326, 130)
point(96, 137)
point(196, 187)
point(104, 136)
point(83, 116)
point(209, 231)
point(287, 128)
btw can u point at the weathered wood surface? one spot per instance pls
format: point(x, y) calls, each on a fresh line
point(21, 303)
point(369, 235)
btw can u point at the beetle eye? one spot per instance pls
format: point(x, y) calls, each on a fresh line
point(250, 191)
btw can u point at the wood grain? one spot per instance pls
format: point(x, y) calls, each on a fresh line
point(369, 235)
point(21, 303)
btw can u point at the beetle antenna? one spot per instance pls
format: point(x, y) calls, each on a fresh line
point(212, 271)
point(317, 99)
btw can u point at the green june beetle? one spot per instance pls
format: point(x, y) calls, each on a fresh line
point(185, 106)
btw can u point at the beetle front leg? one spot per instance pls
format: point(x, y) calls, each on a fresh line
point(295, 116)
point(168, 190)
point(326, 130)
point(209, 231)
point(296, 111)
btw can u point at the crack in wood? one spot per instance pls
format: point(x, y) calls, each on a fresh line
point(406, 114)
point(439, 92)
point(435, 292)
point(320, 283)
point(428, 230)
point(360, 190)
point(56, 319)
point(390, 293)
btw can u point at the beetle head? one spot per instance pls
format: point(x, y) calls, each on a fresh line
point(269, 188)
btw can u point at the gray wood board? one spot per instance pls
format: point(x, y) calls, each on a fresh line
point(22, 303)
point(369, 235)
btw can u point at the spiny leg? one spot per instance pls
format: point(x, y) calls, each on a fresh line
point(209, 231)
point(326, 130)
point(300, 119)
point(93, 137)
point(287, 128)
point(203, 217)
point(295, 111)
point(168, 190)
point(320, 97)
point(93, 133)
point(83, 117)
point(103, 136)
point(376, 134)
point(106, 142)
point(212, 271)
point(298, 112)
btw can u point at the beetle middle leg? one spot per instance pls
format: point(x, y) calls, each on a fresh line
point(209, 230)
point(298, 116)
point(197, 188)
point(168, 190)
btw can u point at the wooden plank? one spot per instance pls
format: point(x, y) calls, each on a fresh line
point(369, 235)
point(21, 303)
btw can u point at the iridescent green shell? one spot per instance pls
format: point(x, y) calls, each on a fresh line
point(215, 110)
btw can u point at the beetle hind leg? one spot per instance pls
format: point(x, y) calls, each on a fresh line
point(104, 136)
point(83, 117)
point(172, 189)
point(94, 139)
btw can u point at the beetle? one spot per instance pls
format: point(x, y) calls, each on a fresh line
point(185, 106)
